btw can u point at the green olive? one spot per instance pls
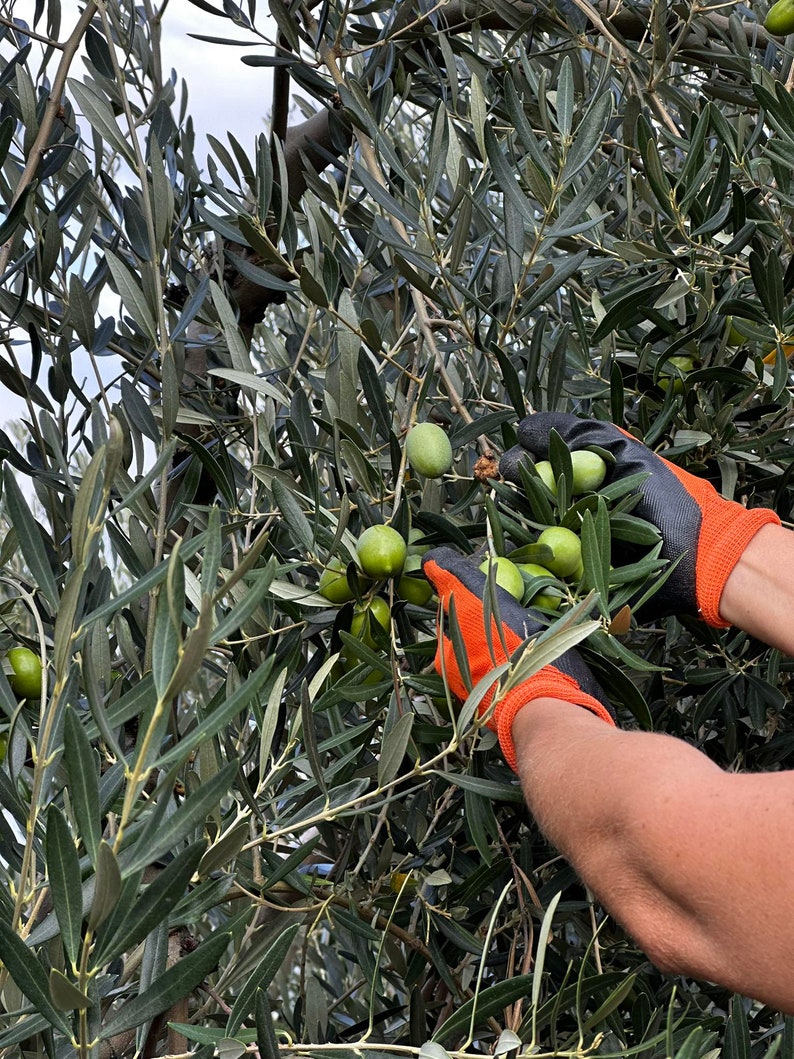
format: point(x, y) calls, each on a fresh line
point(413, 586)
point(381, 551)
point(334, 584)
point(429, 450)
point(25, 675)
point(780, 18)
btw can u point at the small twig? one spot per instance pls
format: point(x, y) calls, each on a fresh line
point(6, 21)
point(596, 944)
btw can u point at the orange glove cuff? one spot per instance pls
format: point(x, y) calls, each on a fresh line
point(725, 531)
point(549, 683)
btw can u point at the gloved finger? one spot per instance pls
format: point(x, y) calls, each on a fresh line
point(510, 463)
point(452, 574)
point(534, 430)
point(487, 641)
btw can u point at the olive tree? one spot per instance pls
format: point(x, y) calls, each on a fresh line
point(247, 816)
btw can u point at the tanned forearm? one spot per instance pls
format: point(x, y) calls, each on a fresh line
point(759, 594)
point(697, 864)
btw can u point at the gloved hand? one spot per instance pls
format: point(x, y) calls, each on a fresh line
point(694, 520)
point(568, 678)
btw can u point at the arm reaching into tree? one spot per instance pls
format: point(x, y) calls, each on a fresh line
point(696, 863)
point(693, 861)
point(759, 593)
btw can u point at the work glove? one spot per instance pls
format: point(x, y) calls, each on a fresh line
point(694, 520)
point(568, 678)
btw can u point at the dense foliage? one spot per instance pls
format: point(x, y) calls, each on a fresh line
point(230, 822)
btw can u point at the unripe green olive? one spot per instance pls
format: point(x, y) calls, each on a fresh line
point(334, 584)
point(381, 551)
point(429, 450)
point(25, 675)
point(413, 586)
point(780, 18)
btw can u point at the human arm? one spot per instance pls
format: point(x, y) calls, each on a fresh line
point(694, 862)
point(759, 593)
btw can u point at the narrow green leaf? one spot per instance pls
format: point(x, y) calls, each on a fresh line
point(433, 1050)
point(167, 633)
point(657, 178)
point(481, 825)
point(31, 542)
point(257, 588)
point(250, 382)
point(84, 505)
point(64, 994)
point(266, 971)
point(83, 769)
point(108, 885)
point(565, 98)
point(395, 743)
point(222, 852)
point(497, 792)
point(490, 1001)
point(595, 562)
point(176, 983)
point(16, 214)
point(589, 136)
point(309, 737)
point(160, 837)
point(228, 1048)
point(23, 1029)
point(218, 718)
point(737, 1035)
point(154, 906)
point(634, 530)
point(162, 193)
point(540, 956)
point(536, 493)
point(612, 1002)
point(98, 113)
point(63, 870)
point(284, 867)
point(29, 976)
point(768, 280)
point(560, 274)
point(293, 514)
point(458, 644)
point(240, 357)
point(169, 393)
point(507, 1042)
point(373, 387)
point(63, 638)
point(131, 293)
point(81, 311)
point(192, 652)
point(265, 1033)
point(505, 174)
